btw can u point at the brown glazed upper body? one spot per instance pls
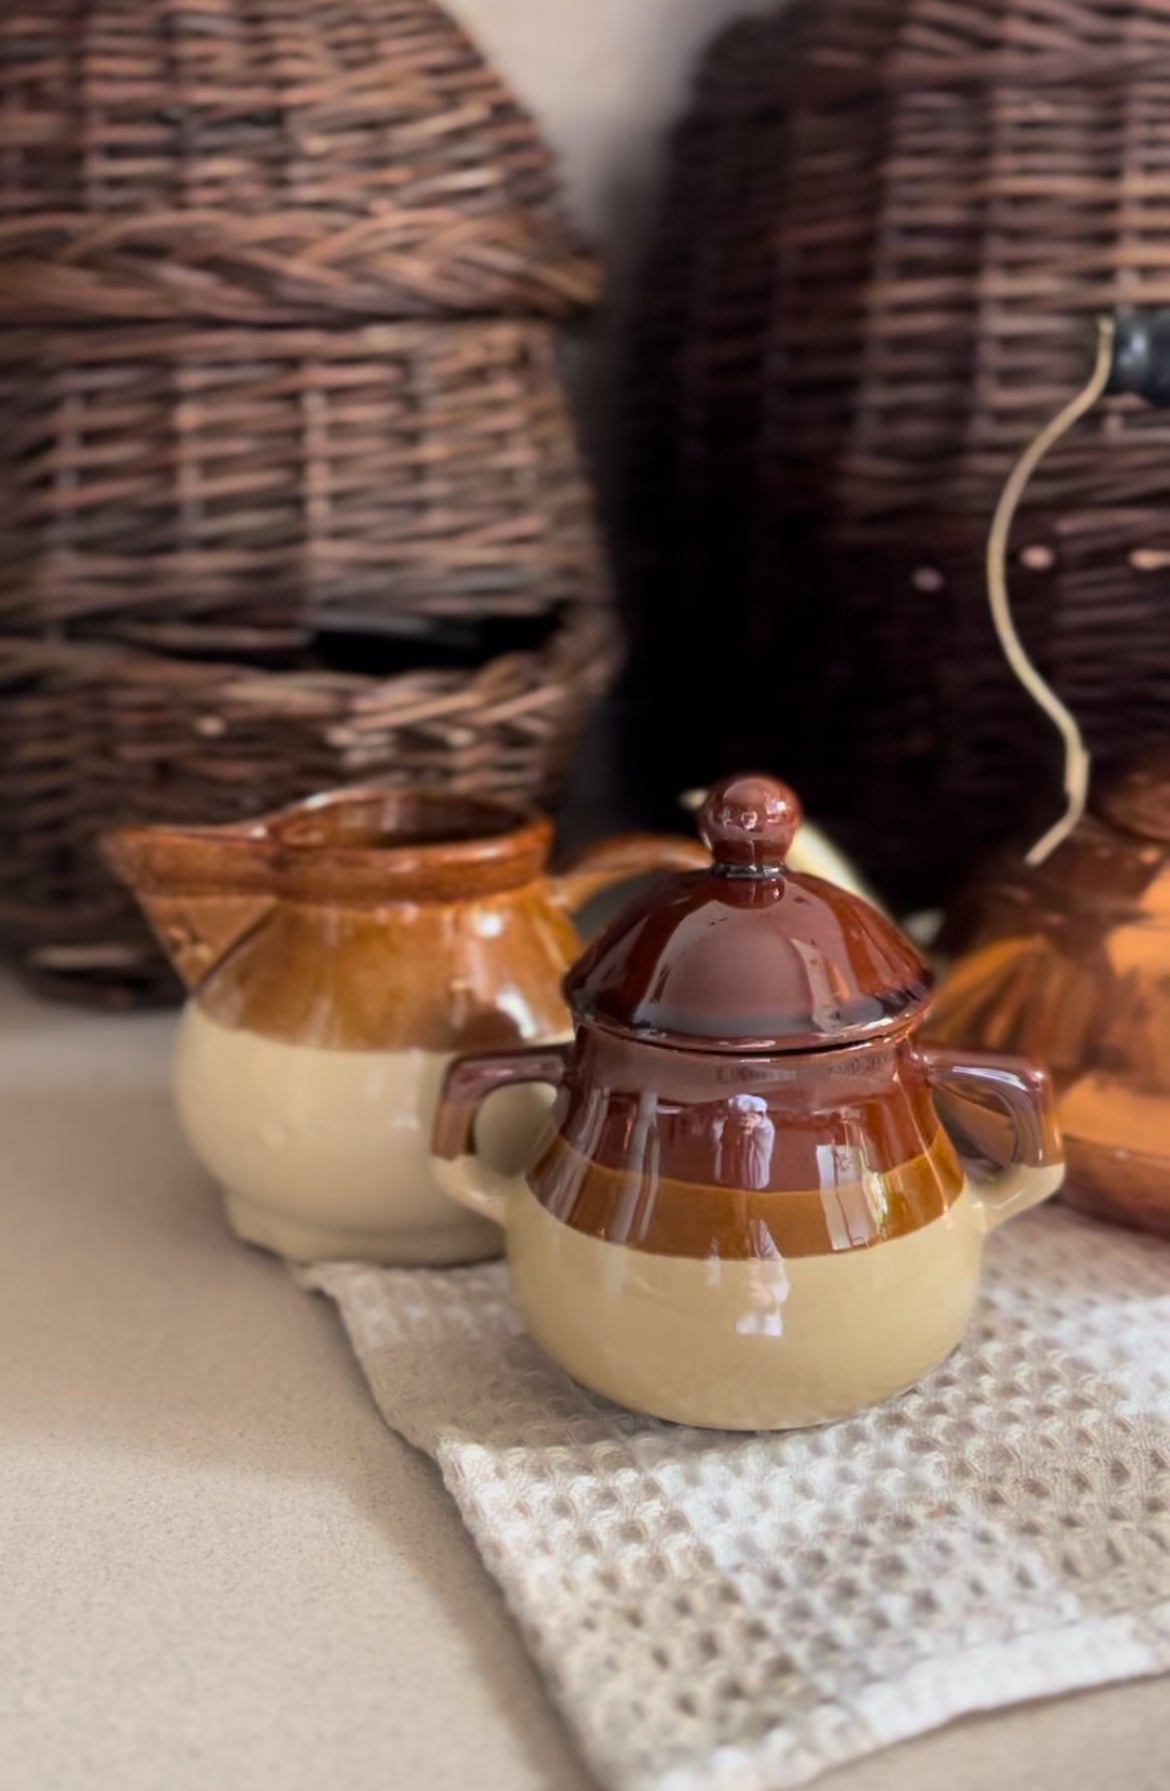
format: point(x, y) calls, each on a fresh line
point(376, 919)
point(1069, 962)
point(338, 953)
point(746, 1079)
point(753, 1157)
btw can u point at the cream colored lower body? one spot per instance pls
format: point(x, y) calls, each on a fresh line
point(746, 1345)
point(326, 1154)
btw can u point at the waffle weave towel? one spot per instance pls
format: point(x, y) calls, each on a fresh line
point(715, 1612)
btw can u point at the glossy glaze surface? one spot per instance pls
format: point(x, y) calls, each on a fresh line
point(793, 1154)
point(1069, 964)
point(762, 1236)
point(338, 953)
point(840, 1153)
point(765, 1343)
point(746, 954)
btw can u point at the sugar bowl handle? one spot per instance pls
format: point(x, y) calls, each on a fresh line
point(625, 856)
point(459, 1171)
point(1001, 1115)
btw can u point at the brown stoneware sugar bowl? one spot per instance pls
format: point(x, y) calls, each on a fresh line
point(759, 1202)
point(338, 953)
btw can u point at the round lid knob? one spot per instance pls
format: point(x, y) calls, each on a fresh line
point(749, 822)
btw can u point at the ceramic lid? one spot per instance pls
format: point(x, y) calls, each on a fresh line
point(747, 955)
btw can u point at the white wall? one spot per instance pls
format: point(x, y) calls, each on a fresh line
point(605, 78)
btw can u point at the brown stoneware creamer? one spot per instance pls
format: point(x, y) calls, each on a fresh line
point(759, 1201)
point(338, 954)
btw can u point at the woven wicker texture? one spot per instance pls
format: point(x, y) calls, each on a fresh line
point(91, 736)
point(285, 267)
point(288, 172)
point(888, 227)
point(289, 489)
point(172, 477)
point(264, 160)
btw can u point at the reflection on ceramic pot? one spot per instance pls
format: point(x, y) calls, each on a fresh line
point(339, 954)
point(759, 1202)
point(1068, 961)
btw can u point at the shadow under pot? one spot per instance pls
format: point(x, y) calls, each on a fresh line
point(759, 1201)
point(338, 953)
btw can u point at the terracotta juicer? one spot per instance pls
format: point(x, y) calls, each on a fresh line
point(1065, 954)
point(337, 954)
point(759, 1201)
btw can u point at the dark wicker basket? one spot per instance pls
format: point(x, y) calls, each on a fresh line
point(93, 735)
point(237, 107)
point(230, 160)
point(888, 226)
point(286, 266)
point(289, 491)
point(194, 486)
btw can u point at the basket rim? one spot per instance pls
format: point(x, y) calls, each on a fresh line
point(288, 266)
point(589, 640)
point(810, 71)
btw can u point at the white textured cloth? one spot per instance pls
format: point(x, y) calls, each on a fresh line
point(717, 1612)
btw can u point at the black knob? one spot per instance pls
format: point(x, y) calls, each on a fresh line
point(1141, 356)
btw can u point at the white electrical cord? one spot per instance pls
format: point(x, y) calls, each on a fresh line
point(1076, 756)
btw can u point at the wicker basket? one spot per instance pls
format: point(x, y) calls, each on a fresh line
point(289, 491)
point(123, 107)
point(199, 487)
point(233, 160)
point(289, 267)
point(887, 229)
point(93, 735)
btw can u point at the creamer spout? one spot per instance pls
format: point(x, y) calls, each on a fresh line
point(201, 888)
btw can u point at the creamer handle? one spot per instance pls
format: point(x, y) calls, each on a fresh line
point(625, 856)
point(467, 1084)
point(976, 1091)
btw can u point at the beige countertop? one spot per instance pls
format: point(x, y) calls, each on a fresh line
point(218, 1566)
